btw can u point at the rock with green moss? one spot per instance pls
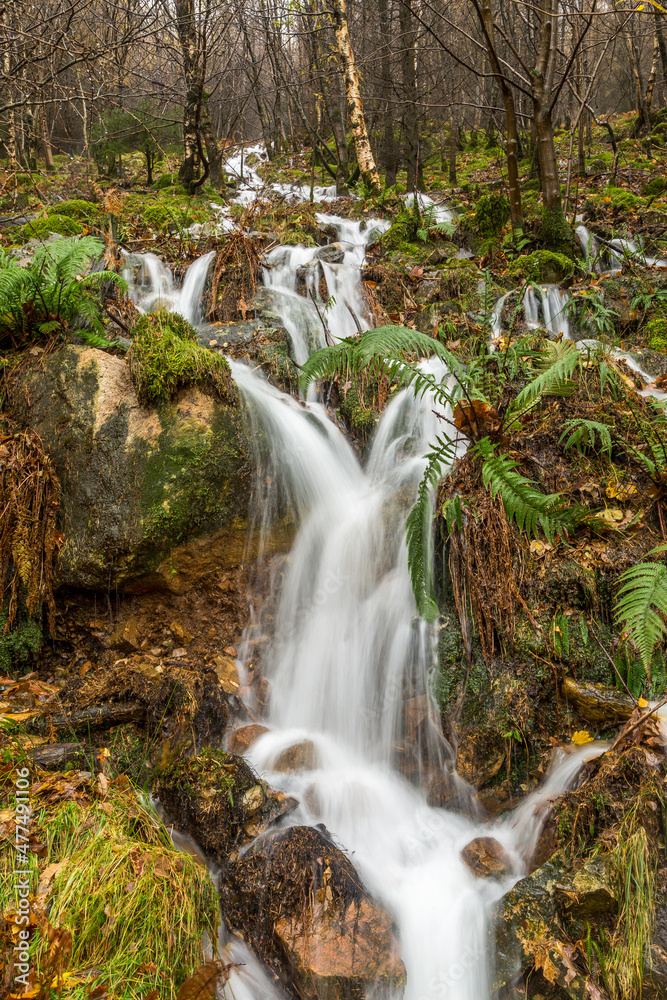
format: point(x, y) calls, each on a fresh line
point(76, 208)
point(151, 496)
point(622, 200)
point(656, 334)
point(218, 799)
point(39, 229)
point(542, 266)
point(165, 357)
point(492, 212)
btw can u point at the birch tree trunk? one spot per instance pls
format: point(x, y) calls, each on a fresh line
point(365, 159)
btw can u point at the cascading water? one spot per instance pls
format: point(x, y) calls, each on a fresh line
point(348, 660)
point(289, 271)
point(549, 310)
point(151, 285)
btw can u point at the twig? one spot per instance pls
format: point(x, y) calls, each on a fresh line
point(613, 663)
point(626, 732)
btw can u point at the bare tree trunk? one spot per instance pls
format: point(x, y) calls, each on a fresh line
point(389, 152)
point(44, 136)
point(659, 34)
point(635, 66)
point(453, 142)
point(653, 76)
point(485, 15)
point(415, 181)
point(365, 159)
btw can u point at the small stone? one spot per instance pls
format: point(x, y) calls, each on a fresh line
point(227, 673)
point(230, 651)
point(487, 858)
point(156, 651)
point(181, 633)
point(125, 636)
point(253, 800)
point(244, 737)
point(179, 653)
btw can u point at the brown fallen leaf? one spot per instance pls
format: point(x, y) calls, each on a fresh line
point(203, 982)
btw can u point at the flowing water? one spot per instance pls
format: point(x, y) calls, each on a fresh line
point(350, 663)
point(151, 285)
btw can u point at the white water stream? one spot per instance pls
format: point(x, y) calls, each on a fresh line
point(348, 656)
point(349, 661)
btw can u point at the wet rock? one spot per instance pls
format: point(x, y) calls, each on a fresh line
point(138, 483)
point(298, 901)
point(218, 799)
point(177, 701)
point(528, 933)
point(598, 703)
point(486, 858)
point(244, 737)
point(227, 673)
point(125, 636)
point(332, 254)
point(300, 757)
point(590, 889)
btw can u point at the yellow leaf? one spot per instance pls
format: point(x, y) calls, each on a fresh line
point(611, 514)
point(642, 703)
point(582, 737)
point(621, 490)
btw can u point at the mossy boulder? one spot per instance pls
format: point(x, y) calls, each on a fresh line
point(623, 201)
point(172, 218)
point(656, 334)
point(218, 799)
point(76, 208)
point(542, 266)
point(165, 357)
point(40, 229)
point(140, 484)
point(492, 212)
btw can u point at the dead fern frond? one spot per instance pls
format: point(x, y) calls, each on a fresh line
point(29, 501)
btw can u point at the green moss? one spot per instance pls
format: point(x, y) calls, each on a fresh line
point(542, 266)
point(43, 228)
point(492, 212)
point(168, 218)
point(656, 334)
point(22, 643)
point(76, 208)
point(197, 480)
point(654, 187)
point(622, 200)
point(557, 233)
point(166, 357)
point(164, 181)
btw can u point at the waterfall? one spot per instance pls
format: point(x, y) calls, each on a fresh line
point(151, 285)
point(349, 664)
point(287, 269)
point(548, 309)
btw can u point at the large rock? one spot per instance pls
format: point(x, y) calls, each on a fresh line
point(138, 483)
point(298, 901)
point(218, 799)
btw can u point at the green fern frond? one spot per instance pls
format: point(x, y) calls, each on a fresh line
point(641, 605)
point(419, 527)
point(554, 379)
point(583, 435)
point(386, 349)
point(523, 503)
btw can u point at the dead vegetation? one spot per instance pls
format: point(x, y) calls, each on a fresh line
point(29, 501)
point(235, 273)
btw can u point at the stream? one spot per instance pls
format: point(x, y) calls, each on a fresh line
point(349, 661)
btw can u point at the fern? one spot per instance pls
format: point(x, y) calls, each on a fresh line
point(419, 533)
point(554, 380)
point(583, 434)
point(641, 606)
point(523, 503)
point(385, 351)
point(54, 292)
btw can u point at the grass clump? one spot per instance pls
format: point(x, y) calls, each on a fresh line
point(126, 909)
point(166, 357)
point(492, 212)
